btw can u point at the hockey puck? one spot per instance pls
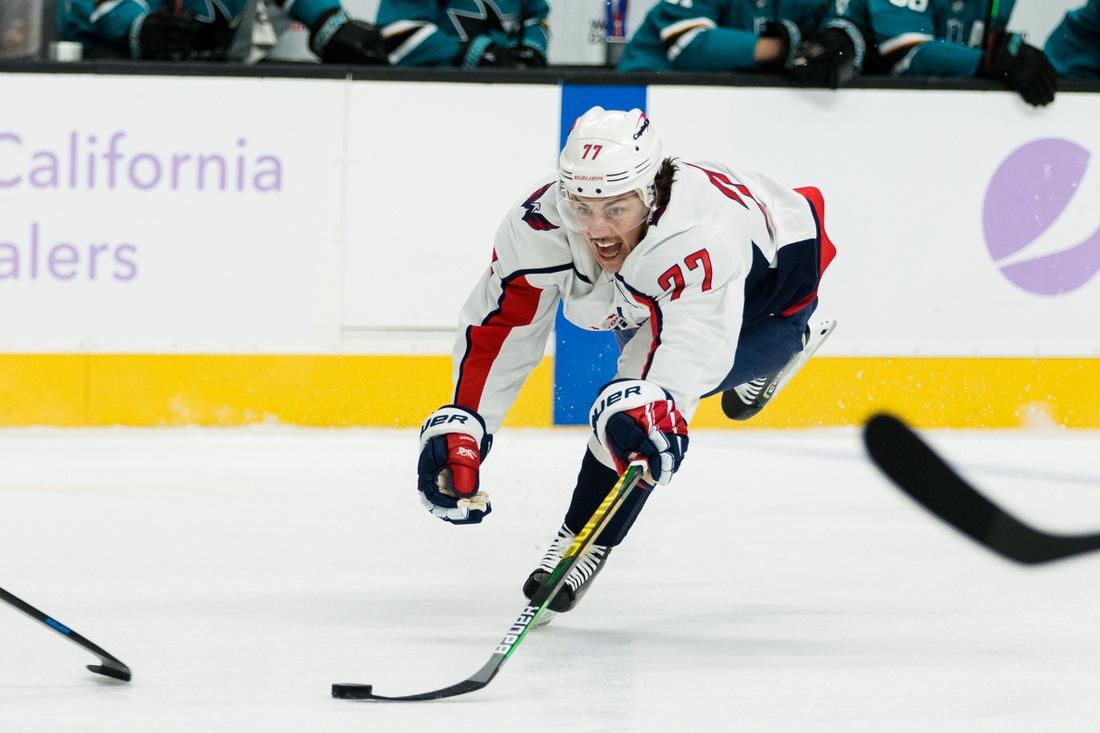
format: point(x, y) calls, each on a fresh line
point(352, 692)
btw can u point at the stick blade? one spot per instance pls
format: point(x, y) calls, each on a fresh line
point(351, 691)
point(918, 471)
point(117, 673)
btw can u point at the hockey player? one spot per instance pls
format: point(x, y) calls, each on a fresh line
point(1074, 46)
point(949, 38)
point(707, 275)
point(201, 30)
point(744, 35)
point(465, 33)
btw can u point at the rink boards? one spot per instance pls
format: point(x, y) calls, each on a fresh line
point(182, 250)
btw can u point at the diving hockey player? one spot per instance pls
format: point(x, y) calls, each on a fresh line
point(706, 274)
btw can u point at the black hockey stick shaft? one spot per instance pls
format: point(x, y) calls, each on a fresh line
point(923, 475)
point(538, 603)
point(111, 666)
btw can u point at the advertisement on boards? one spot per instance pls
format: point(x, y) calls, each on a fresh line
point(169, 214)
point(966, 223)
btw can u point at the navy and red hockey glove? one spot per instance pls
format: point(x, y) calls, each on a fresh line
point(633, 417)
point(453, 443)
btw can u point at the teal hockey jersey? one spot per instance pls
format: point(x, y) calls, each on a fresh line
point(435, 32)
point(713, 35)
point(923, 37)
point(103, 26)
point(1074, 46)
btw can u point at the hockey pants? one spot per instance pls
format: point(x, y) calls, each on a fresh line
point(764, 346)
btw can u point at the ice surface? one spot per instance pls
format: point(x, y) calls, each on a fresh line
point(778, 584)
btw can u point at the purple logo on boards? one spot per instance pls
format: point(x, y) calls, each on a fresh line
point(1028, 193)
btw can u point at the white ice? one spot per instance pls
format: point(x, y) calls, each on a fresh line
point(778, 584)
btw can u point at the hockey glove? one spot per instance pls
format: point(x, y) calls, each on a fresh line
point(162, 36)
point(526, 57)
point(1024, 67)
point(790, 35)
point(483, 52)
point(825, 61)
point(336, 38)
point(633, 417)
point(453, 443)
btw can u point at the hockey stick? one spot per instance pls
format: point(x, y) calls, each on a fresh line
point(538, 603)
point(923, 475)
point(111, 666)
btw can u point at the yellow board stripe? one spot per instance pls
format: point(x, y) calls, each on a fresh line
point(398, 391)
point(146, 389)
point(931, 393)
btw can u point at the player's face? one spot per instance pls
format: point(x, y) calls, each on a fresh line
point(611, 226)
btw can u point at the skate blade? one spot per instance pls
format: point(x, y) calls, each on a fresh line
point(818, 333)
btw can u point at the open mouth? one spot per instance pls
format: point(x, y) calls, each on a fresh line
point(608, 250)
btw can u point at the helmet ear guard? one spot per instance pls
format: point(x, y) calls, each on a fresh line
point(609, 153)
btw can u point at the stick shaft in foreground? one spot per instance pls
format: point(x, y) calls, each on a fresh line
point(538, 603)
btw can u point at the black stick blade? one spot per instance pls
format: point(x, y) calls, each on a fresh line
point(119, 674)
point(352, 691)
point(923, 475)
point(111, 666)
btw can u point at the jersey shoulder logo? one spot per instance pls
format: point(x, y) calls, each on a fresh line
point(532, 211)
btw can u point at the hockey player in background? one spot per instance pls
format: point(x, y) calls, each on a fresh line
point(792, 37)
point(949, 38)
point(465, 33)
point(199, 30)
point(1074, 46)
point(707, 275)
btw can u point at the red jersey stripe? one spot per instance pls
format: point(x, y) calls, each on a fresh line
point(519, 302)
point(826, 249)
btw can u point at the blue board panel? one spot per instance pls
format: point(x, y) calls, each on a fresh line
point(584, 360)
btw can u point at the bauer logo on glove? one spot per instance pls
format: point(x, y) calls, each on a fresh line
point(453, 443)
point(633, 417)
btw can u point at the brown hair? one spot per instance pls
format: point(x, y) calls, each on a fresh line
point(662, 183)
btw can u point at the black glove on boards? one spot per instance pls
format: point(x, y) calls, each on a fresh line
point(1024, 67)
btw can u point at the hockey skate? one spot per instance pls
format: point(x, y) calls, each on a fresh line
point(577, 581)
point(746, 400)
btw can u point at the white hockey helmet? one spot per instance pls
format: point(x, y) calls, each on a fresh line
point(608, 153)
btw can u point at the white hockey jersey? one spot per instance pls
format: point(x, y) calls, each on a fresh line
point(728, 246)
